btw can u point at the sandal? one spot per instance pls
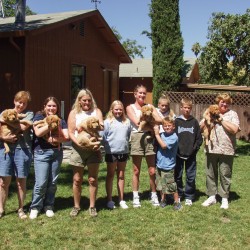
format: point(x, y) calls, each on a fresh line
point(21, 214)
point(2, 214)
point(74, 212)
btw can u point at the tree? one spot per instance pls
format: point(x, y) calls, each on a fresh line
point(132, 48)
point(167, 46)
point(226, 57)
point(196, 48)
point(9, 7)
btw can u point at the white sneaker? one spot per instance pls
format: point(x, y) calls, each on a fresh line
point(136, 201)
point(224, 203)
point(33, 214)
point(123, 205)
point(208, 202)
point(49, 213)
point(111, 205)
point(188, 202)
point(155, 201)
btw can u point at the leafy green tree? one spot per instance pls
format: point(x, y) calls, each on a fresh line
point(226, 57)
point(167, 46)
point(133, 49)
point(9, 7)
point(196, 48)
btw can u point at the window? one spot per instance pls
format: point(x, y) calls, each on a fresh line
point(77, 80)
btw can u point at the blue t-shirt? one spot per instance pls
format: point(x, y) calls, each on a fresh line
point(40, 142)
point(166, 158)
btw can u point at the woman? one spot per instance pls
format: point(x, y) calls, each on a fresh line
point(83, 108)
point(141, 146)
point(19, 159)
point(48, 156)
point(220, 152)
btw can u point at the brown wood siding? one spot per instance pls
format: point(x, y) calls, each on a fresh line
point(49, 57)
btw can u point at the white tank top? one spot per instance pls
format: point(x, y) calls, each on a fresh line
point(84, 115)
point(137, 114)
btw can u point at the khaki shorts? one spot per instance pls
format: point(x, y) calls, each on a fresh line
point(80, 157)
point(141, 145)
point(165, 181)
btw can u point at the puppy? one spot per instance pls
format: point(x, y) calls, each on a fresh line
point(53, 122)
point(11, 125)
point(211, 116)
point(88, 136)
point(147, 120)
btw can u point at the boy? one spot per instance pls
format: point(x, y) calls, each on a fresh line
point(166, 160)
point(189, 136)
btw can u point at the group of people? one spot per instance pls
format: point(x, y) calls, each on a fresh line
point(169, 152)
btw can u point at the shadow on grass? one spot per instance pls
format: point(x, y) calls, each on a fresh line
point(243, 149)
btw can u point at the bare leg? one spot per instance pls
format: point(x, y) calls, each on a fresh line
point(109, 179)
point(120, 179)
point(77, 185)
point(136, 171)
point(93, 183)
point(4, 191)
point(151, 170)
point(21, 191)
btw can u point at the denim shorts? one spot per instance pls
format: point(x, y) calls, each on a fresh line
point(142, 144)
point(80, 157)
point(116, 157)
point(17, 162)
point(165, 181)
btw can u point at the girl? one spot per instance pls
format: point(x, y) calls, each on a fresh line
point(19, 159)
point(84, 107)
point(140, 146)
point(48, 155)
point(115, 138)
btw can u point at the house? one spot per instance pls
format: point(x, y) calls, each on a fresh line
point(141, 72)
point(58, 54)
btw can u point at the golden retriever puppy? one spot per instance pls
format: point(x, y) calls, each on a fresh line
point(11, 124)
point(211, 116)
point(88, 136)
point(147, 120)
point(53, 122)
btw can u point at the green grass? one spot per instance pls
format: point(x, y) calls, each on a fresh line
point(147, 227)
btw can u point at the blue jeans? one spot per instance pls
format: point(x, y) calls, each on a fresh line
point(47, 165)
point(190, 168)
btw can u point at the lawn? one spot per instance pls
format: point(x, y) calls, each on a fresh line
point(147, 227)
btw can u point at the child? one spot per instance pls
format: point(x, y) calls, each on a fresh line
point(190, 139)
point(116, 144)
point(166, 160)
point(164, 109)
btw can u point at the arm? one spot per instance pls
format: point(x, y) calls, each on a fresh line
point(158, 137)
point(230, 127)
point(131, 115)
point(100, 117)
point(156, 116)
point(72, 126)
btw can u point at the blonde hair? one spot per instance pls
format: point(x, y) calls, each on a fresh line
point(138, 86)
point(186, 101)
point(110, 114)
point(22, 96)
point(225, 97)
point(168, 119)
point(81, 93)
point(164, 98)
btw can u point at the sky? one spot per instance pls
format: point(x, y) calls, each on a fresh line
point(130, 17)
